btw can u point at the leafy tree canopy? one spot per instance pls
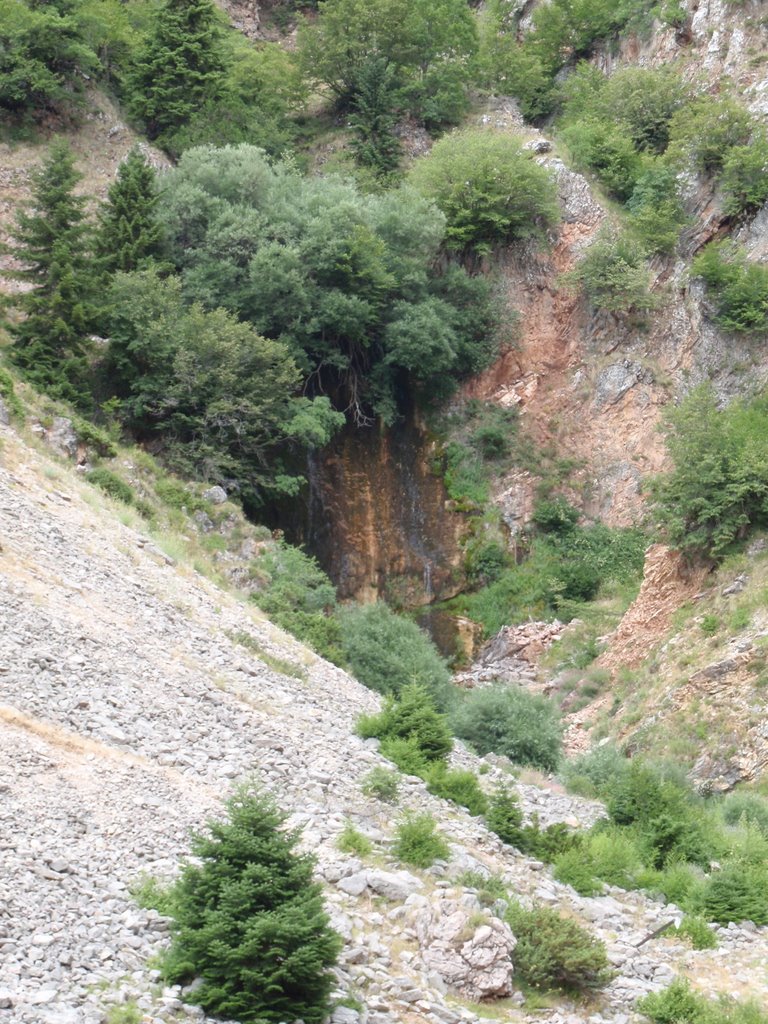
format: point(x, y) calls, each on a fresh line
point(346, 281)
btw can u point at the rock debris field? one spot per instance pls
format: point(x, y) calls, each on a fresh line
point(127, 713)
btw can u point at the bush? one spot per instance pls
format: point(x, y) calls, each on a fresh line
point(574, 869)
point(600, 768)
point(741, 806)
point(509, 721)
point(353, 841)
point(174, 494)
point(615, 856)
point(383, 784)
point(111, 484)
point(678, 1004)
point(249, 920)
point(697, 931)
point(737, 893)
point(656, 212)
point(554, 952)
point(387, 652)
point(298, 596)
point(703, 132)
point(412, 719)
point(9, 396)
point(504, 817)
point(744, 179)
point(555, 515)
point(418, 843)
point(614, 274)
point(739, 286)
point(462, 787)
point(609, 152)
point(490, 190)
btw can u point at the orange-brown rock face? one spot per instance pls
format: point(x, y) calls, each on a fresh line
point(378, 521)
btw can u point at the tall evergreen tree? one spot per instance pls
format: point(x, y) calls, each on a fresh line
point(249, 920)
point(373, 120)
point(51, 246)
point(180, 68)
point(129, 233)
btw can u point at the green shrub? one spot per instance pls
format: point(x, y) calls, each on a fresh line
point(111, 484)
point(614, 274)
point(94, 437)
point(490, 888)
point(555, 515)
point(736, 893)
point(744, 179)
point(656, 212)
point(9, 396)
point(411, 717)
point(703, 132)
point(418, 843)
point(615, 856)
point(387, 652)
point(174, 494)
point(383, 784)
point(249, 920)
point(458, 785)
point(697, 931)
point(406, 754)
point(574, 869)
point(150, 894)
point(742, 806)
point(677, 1004)
point(504, 817)
point(508, 720)
point(490, 190)
point(549, 843)
point(609, 152)
point(555, 953)
point(740, 287)
point(299, 597)
point(600, 768)
point(353, 841)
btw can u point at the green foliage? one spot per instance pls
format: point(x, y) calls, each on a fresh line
point(744, 179)
point(417, 842)
point(718, 486)
point(740, 287)
point(152, 895)
point(412, 718)
point(427, 43)
point(44, 60)
point(128, 1013)
point(704, 131)
point(742, 806)
point(596, 771)
point(373, 119)
point(9, 396)
point(555, 953)
point(738, 892)
point(512, 69)
point(249, 920)
point(679, 1004)
point(510, 721)
point(697, 931)
point(218, 394)
point(656, 213)
point(349, 283)
point(129, 233)
point(609, 152)
point(50, 341)
point(111, 484)
point(458, 785)
point(504, 817)
point(351, 840)
point(555, 515)
point(490, 888)
point(387, 652)
point(93, 436)
point(298, 596)
point(179, 68)
point(490, 190)
point(614, 274)
point(383, 784)
point(571, 868)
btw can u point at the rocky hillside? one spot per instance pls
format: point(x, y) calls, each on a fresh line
point(135, 693)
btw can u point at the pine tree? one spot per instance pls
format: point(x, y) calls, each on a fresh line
point(129, 232)
point(181, 67)
point(373, 120)
point(249, 920)
point(50, 339)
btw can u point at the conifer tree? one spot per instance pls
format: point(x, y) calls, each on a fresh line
point(180, 68)
point(51, 241)
point(249, 920)
point(129, 232)
point(373, 120)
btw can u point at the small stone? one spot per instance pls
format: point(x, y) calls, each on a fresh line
point(216, 495)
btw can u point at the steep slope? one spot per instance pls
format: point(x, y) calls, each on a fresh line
point(129, 704)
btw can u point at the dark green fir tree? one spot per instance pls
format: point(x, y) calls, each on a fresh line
point(373, 120)
point(180, 68)
point(249, 920)
point(50, 335)
point(129, 233)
